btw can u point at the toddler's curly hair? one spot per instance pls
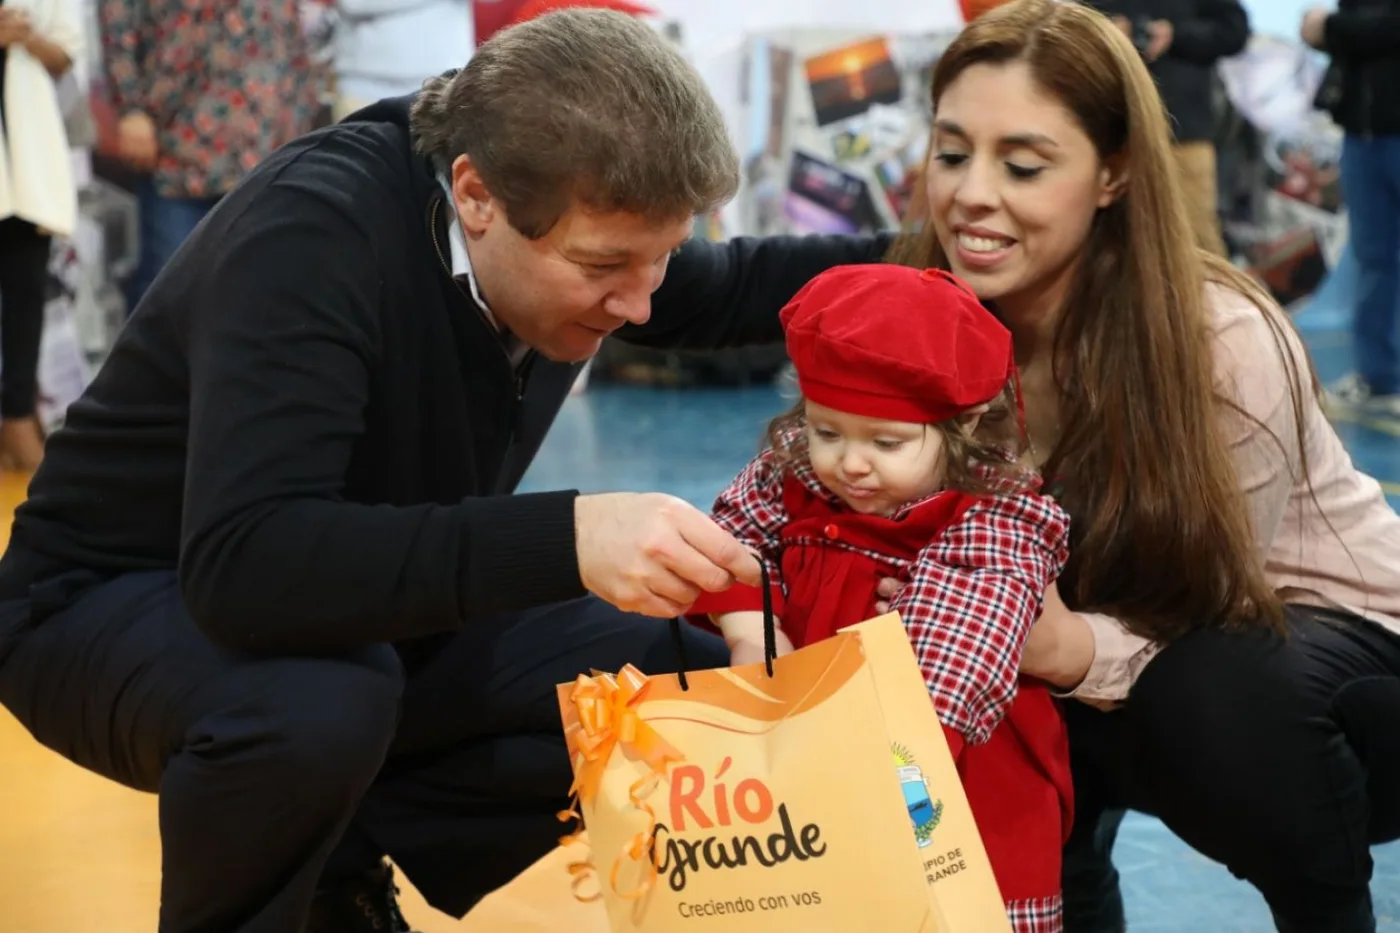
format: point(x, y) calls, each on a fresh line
point(989, 461)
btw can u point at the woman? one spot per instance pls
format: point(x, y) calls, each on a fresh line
point(1232, 601)
point(204, 90)
point(39, 40)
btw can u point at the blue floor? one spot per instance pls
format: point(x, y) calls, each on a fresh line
point(691, 442)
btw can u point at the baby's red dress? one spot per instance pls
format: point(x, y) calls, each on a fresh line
point(976, 569)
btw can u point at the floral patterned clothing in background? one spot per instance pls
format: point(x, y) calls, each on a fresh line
point(226, 81)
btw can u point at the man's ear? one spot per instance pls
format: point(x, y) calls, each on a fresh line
point(1113, 179)
point(475, 206)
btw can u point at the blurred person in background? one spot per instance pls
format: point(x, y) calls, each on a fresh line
point(204, 90)
point(1359, 91)
point(387, 48)
point(1181, 41)
point(39, 41)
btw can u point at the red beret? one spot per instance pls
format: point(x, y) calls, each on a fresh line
point(891, 342)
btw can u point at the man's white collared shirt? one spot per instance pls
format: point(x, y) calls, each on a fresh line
point(462, 271)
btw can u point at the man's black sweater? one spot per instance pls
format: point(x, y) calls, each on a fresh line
point(307, 418)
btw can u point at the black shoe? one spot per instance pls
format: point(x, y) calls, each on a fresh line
point(366, 903)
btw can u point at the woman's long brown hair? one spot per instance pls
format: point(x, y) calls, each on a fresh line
point(1162, 536)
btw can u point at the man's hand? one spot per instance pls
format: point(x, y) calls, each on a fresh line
point(1160, 34)
point(1314, 28)
point(136, 141)
point(654, 554)
point(15, 27)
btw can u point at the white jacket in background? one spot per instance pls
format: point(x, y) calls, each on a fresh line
point(36, 167)
point(385, 48)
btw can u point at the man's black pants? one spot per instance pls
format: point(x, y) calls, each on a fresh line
point(267, 769)
point(1280, 759)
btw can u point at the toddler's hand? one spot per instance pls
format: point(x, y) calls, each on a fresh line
point(750, 651)
point(887, 589)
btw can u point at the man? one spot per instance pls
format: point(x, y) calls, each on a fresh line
point(273, 567)
point(1181, 41)
point(1363, 39)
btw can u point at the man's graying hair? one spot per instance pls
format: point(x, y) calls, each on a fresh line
point(581, 106)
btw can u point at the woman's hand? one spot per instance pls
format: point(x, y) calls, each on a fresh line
point(15, 27)
point(136, 141)
point(1060, 647)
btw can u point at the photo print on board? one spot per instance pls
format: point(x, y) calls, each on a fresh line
point(822, 198)
point(846, 81)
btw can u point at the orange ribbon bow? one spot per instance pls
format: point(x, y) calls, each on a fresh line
point(608, 718)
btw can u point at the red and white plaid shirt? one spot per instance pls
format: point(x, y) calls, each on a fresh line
point(971, 594)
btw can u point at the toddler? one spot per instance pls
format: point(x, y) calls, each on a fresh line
point(903, 459)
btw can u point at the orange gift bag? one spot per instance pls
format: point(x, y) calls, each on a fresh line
point(540, 899)
point(811, 793)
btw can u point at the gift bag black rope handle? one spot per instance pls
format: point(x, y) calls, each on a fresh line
point(770, 624)
point(770, 632)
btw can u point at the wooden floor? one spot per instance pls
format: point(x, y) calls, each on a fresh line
point(78, 853)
